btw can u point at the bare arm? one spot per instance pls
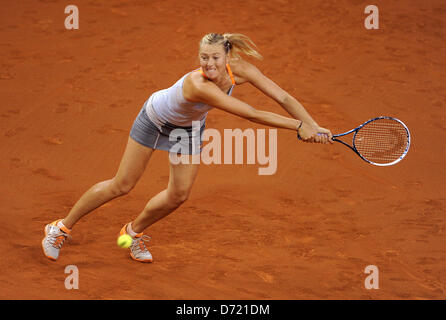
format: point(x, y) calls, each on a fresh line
point(207, 92)
point(272, 90)
point(196, 89)
point(297, 110)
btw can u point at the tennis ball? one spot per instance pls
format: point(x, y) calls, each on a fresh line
point(124, 241)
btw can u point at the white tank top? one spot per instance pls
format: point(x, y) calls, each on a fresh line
point(169, 105)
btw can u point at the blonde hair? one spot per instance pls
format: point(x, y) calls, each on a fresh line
point(233, 43)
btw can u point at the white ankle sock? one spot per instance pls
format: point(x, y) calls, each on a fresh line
point(130, 230)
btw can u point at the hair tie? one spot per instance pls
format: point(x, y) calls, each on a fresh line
point(228, 45)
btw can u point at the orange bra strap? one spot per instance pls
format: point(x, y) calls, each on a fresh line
point(201, 71)
point(230, 73)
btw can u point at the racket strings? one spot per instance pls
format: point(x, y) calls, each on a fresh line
point(382, 141)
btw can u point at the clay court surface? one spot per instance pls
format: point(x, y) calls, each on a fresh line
point(69, 98)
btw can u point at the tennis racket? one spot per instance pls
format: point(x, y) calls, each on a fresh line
point(382, 141)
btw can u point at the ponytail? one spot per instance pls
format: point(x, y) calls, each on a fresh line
point(239, 43)
point(233, 43)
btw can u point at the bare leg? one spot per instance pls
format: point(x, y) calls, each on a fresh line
point(131, 168)
point(181, 179)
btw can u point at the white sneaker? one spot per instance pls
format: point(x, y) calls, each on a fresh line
point(138, 249)
point(54, 239)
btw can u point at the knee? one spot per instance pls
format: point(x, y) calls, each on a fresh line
point(178, 197)
point(120, 187)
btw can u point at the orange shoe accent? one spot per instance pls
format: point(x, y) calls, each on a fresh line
point(59, 240)
point(141, 245)
point(124, 231)
point(43, 247)
point(140, 260)
point(64, 229)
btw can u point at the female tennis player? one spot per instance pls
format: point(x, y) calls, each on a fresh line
point(189, 99)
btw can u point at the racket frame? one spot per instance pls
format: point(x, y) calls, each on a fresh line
point(355, 130)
